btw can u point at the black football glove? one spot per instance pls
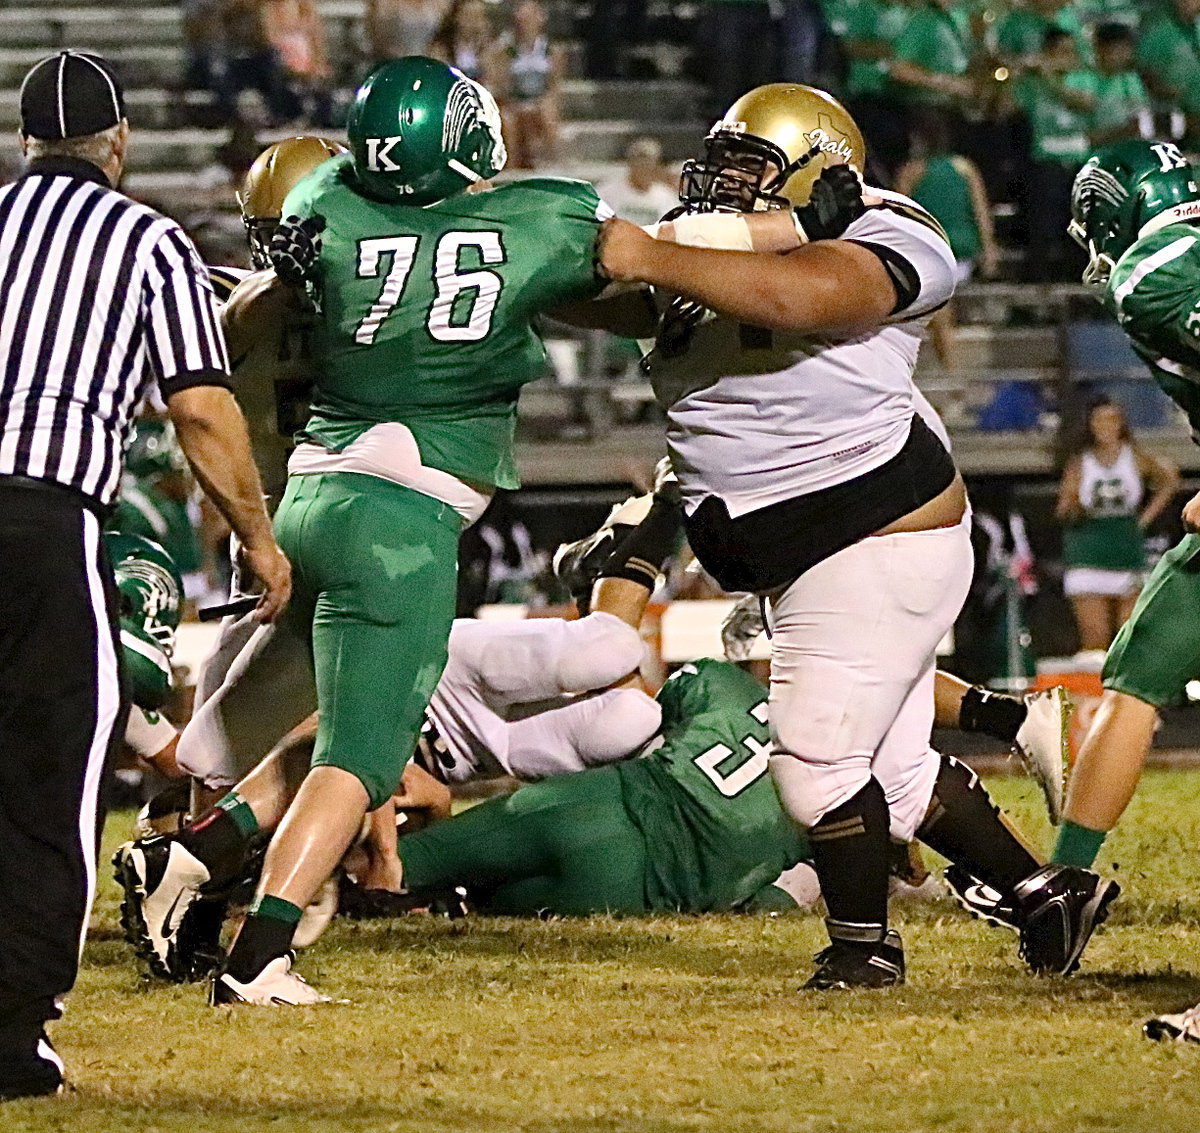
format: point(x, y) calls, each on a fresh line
point(296, 248)
point(835, 203)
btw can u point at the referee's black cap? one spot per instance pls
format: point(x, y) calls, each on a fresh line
point(70, 95)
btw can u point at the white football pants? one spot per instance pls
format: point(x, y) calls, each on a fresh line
point(852, 666)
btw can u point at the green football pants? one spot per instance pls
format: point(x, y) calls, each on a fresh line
point(564, 846)
point(374, 579)
point(1157, 651)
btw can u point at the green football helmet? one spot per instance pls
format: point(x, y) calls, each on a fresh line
point(150, 592)
point(421, 131)
point(153, 450)
point(1125, 190)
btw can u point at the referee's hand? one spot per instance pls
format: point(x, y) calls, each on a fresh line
point(272, 569)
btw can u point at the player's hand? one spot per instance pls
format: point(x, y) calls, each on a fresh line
point(271, 567)
point(836, 202)
point(1191, 514)
point(296, 248)
point(621, 248)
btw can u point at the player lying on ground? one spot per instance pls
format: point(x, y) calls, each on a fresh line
point(508, 703)
point(1136, 208)
point(810, 476)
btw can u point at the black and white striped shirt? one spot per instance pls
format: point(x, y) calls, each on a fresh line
point(99, 296)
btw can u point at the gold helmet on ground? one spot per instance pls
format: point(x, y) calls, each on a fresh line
point(769, 148)
point(275, 173)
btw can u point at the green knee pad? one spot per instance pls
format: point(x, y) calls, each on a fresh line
point(1157, 651)
point(377, 566)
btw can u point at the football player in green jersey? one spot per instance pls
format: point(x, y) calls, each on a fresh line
point(150, 592)
point(694, 826)
point(1136, 208)
point(428, 294)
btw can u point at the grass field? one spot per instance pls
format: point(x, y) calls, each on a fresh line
point(666, 1024)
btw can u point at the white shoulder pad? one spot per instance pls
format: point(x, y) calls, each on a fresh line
point(914, 249)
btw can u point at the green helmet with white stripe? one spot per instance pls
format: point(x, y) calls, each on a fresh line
point(422, 131)
point(1125, 191)
point(150, 594)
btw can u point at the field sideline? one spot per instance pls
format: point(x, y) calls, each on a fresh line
point(666, 1024)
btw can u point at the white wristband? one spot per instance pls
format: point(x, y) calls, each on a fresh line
point(727, 231)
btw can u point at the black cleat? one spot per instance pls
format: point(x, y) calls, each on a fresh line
point(845, 966)
point(30, 1071)
point(1059, 908)
point(981, 900)
point(198, 948)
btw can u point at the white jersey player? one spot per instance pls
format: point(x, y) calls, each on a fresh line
point(809, 476)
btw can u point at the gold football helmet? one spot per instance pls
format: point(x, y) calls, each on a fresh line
point(275, 173)
point(769, 148)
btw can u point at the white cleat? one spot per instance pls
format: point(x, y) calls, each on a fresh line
point(275, 986)
point(1043, 743)
point(161, 880)
point(1181, 1028)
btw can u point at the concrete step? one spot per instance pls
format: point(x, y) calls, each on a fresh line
point(655, 102)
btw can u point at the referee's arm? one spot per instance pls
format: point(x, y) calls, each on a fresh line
point(187, 353)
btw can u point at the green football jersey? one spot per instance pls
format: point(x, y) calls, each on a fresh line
point(1154, 291)
point(428, 313)
point(704, 801)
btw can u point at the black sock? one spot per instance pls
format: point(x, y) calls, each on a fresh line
point(639, 557)
point(992, 713)
point(266, 934)
point(219, 843)
point(851, 850)
point(964, 825)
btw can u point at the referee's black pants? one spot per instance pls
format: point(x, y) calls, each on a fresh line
point(61, 705)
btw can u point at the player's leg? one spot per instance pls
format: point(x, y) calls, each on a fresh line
point(565, 846)
point(1155, 654)
point(851, 638)
point(1036, 726)
point(535, 660)
point(585, 732)
point(383, 558)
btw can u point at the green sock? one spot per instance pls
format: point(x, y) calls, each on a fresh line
point(1077, 845)
point(277, 909)
point(265, 935)
point(239, 811)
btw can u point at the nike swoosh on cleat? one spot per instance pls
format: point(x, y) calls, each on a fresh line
point(165, 929)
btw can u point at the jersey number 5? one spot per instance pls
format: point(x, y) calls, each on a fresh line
point(446, 321)
point(735, 780)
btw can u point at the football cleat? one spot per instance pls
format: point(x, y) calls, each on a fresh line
point(34, 1071)
point(844, 967)
point(981, 900)
point(161, 880)
point(1043, 744)
point(1059, 907)
point(198, 941)
point(1181, 1028)
point(275, 986)
point(577, 565)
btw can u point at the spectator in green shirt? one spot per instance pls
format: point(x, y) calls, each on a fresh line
point(1168, 57)
point(932, 56)
point(1022, 32)
point(1058, 97)
point(1122, 107)
point(866, 32)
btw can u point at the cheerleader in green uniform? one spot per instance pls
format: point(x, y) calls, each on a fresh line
point(1102, 502)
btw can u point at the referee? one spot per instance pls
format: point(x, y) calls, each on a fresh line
point(99, 297)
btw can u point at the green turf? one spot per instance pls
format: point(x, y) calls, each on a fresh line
point(667, 1024)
